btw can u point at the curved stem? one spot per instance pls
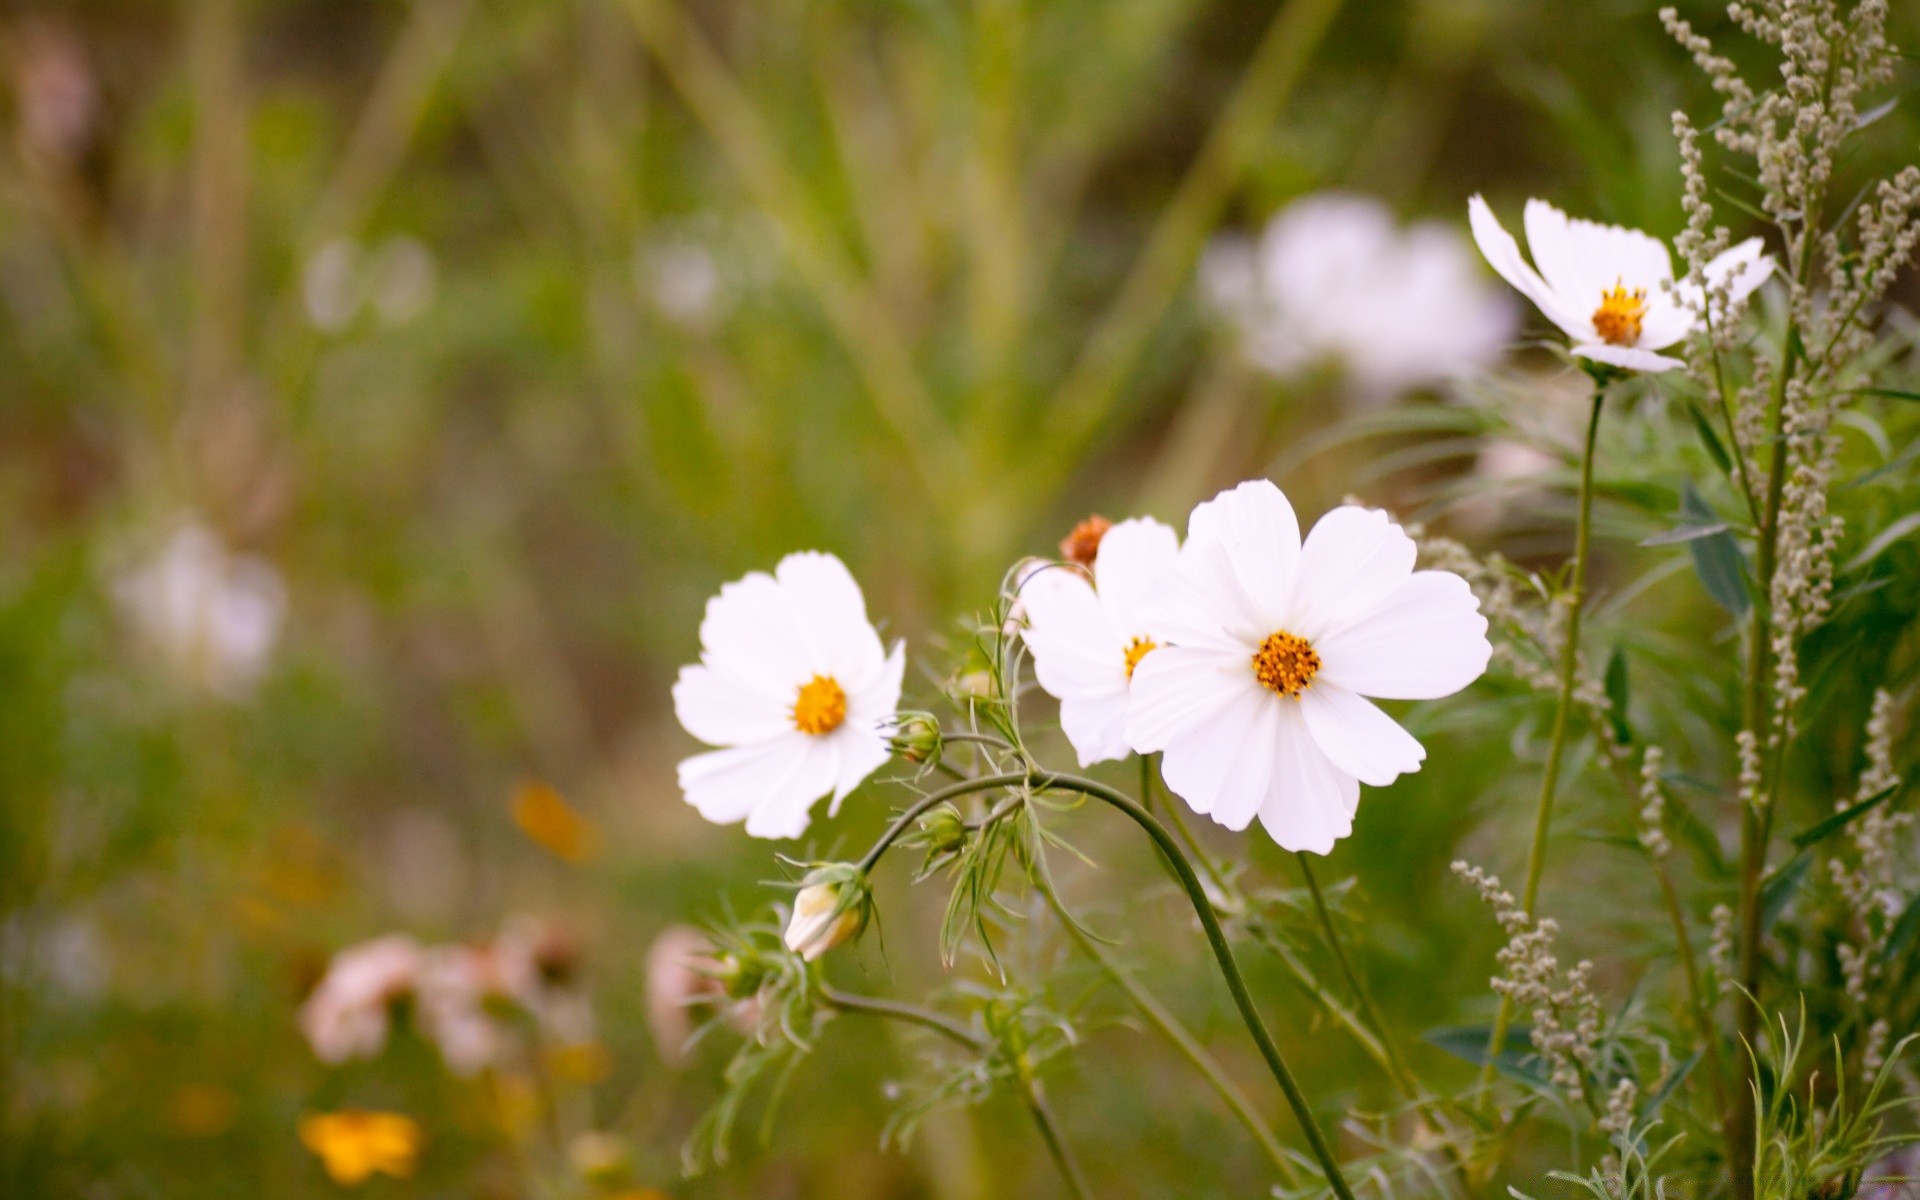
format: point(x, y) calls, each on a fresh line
point(1396, 1066)
point(1032, 1095)
point(1050, 1134)
point(1223, 954)
point(1562, 719)
point(985, 783)
point(1170, 1028)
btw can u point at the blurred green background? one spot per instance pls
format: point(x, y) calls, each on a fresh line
point(505, 331)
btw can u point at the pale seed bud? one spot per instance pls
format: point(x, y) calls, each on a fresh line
point(830, 909)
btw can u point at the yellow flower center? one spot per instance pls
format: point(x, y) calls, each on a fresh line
point(353, 1144)
point(820, 707)
point(1620, 314)
point(1138, 649)
point(1285, 664)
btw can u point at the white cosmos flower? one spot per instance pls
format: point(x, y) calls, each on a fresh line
point(794, 682)
point(1088, 636)
point(1609, 288)
point(1335, 281)
point(346, 1016)
point(213, 615)
point(1258, 699)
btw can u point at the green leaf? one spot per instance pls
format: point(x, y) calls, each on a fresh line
point(1710, 439)
point(1685, 533)
point(1889, 393)
point(1902, 935)
point(1617, 695)
point(1469, 1042)
point(1823, 830)
point(1716, 556)
point(1651, 1108)
point(1885, 538)
point(1777, 889)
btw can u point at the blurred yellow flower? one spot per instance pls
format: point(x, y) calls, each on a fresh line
point(544, 815)
point(354, 1144)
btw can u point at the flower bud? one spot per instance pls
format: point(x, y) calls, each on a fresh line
point(943, 831)
point(916, 737)
point(740, 978)
point(831, 908)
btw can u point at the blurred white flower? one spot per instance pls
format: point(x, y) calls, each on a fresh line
point(455, 984)
point(1608, 288)
point(1333, 282)
point(347, 1014)
point(401, 277)
point(397, 279)
point(213, 616)
point(530, 965)
point(331, 285)
point(794, 683)
point(1258, 699)
point(682, 278)
point(1087, 636)
point(681, 976)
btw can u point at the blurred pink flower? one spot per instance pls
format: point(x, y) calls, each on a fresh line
point(680, 979)
point(347, 1014)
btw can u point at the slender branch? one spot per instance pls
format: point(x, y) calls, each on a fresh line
point(1031, 1093)
point(985, 783)
point(1050, 1134)
point(1396, 1066)
point(1158, 1015)
point(1229, 968)
point(1575, 599)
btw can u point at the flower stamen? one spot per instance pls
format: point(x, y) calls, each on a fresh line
point(1285, 664)
point(1138, 649)
point(1620, 315)
point(821, 706)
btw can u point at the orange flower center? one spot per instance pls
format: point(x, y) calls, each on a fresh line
point(1620, 314)
point(1285, 664)
point(1082, 546)
point(1138, 649)
point(820, 707)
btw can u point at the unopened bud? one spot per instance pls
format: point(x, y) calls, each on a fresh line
point(943, 831)
point(830, 909)
point(916, 737)
point(739, 977)
point(1082, 546)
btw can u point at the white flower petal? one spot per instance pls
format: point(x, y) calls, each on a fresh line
point(831, 615)
point(1352, 559)
point(1136, 558)
point(1206, 604)
point(1220, 766)
point(1746, 265)
point(1666, 321)
point(1427, 639)
point(1310, 802)
point(873, 704)
point(726, 785)
point(1257, 527)
point(1096, 725)
point(1627, 357)
point(724, 712)
point(1503, 255)
point(782, 811)
point(1590, 257)
point(1360, 739)
point(749, 634)
point(1177, 687)
point(861, 752)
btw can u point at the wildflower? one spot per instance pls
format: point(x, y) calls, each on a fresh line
point(1332, 281)
point(794, 683)
point(353, 1144)
point(682, 975)
point(347, 1015)
point(1258, 698)
point(831, 908)
point(1081, 546)
point(466, 990)
point(1088, 638)
point(212, 615)
point(1608, 288)
point(544, 815)
point(917, 738)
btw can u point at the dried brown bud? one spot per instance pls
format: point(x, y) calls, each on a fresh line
point(1082, 546)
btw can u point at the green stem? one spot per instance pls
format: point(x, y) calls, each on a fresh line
point(1395, 1065)
point(1032, 1095)
point(1229, 968)
point(985, 783)
point(1170, 1028)
point(1562, 720)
